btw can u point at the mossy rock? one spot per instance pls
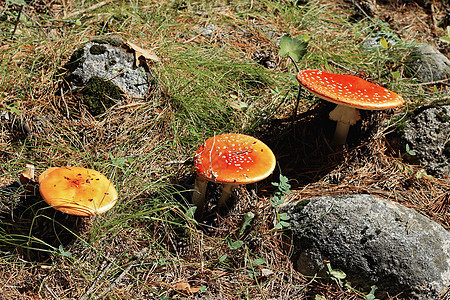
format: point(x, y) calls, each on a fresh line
point(76, 59)
point(97, 49)
point(113, 40)
point(425, 131)
point(99, 95)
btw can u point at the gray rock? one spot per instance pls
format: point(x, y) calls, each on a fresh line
point(428, 133)
point(427, 64)
point(208, 30)
point(374, 241)
point(372, 42)
point(101, 59)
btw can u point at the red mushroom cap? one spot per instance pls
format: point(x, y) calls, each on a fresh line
point(348, 90)
point(234, 158)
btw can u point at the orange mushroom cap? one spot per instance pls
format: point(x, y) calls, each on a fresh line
point(45, 173)
point(348, 90)
point(77, 191)
point(234, 158)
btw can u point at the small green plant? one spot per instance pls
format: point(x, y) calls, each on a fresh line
point(336, 275)
point(339, 276)
point(446, 39)
point(14, 108)
point(283, 189)
point(385, 44)
point(295, 49)
point(422, 173)
point(246, 222)
point(233, 245)
point(410, 151)
point(371, 294)
point(63, 252)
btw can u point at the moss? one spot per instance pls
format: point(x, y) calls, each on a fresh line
point(76, 58)
point(99, 94)
point(97, 49)
point(115, 41)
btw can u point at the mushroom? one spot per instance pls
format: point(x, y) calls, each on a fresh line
point(77, 191)
point(231, 159)
point(349, 93)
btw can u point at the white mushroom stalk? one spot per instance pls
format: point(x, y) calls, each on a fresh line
point(344, 116)
point(227, 190)
point(199, 194)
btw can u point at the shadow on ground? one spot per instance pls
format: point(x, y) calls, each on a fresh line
point(303, 148)
point(29, 227)
point(303, 151)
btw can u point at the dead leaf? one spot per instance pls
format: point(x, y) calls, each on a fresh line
point(27, 177)
point(186, 288)
point(27, 174)
point(266, 272)
point(138, 52)
point(239, 105)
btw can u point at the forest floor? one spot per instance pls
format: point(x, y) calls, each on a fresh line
point(219, 72)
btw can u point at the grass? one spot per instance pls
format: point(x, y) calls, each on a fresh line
point(149, 246)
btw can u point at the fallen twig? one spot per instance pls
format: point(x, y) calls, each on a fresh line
point(91, 8)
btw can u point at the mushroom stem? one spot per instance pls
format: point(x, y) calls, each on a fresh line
point(226, 192)
point(340, 135)
point(199, 194)
point(345, 116)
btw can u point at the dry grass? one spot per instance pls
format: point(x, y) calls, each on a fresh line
point(148, 246)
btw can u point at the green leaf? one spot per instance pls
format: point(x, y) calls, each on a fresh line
point(283, 179)
point(284, 224)
point(278, 199)
point(396, 75)
point(336, 273)
point(371, 295)
point(233, 245)
point(190, 213)
point(63, 252)
point(248, 218)
point(292, 47)
point(203, 289)
point(223, 258)
point(16, 2)
point(13, 108)
point(259, 261)
point(239, 105)
point(410, 151)
point(446, 39)
point(385, 44)
point(284, 216)
point(278, 226)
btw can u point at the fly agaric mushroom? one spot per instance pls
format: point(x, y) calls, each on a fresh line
point(349, 93)
point(231, 159)
point(77, 191)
